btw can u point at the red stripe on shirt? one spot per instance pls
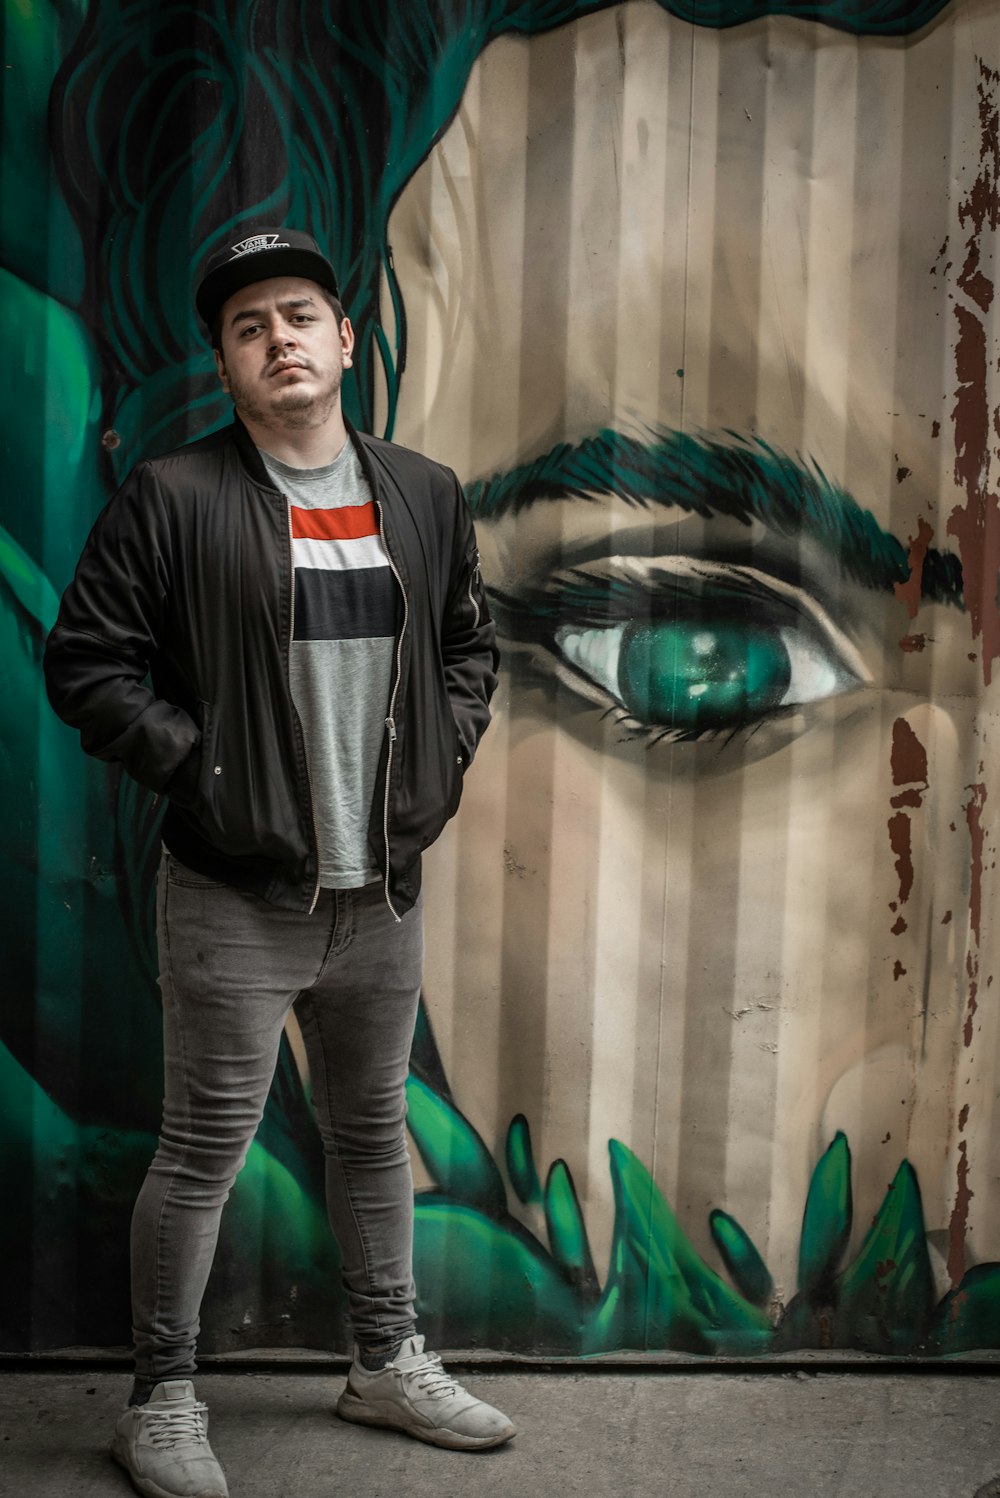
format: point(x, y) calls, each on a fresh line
point(346, 523)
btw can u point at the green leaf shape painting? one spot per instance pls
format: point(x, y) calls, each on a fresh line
point(826, 1224)
point(521, 1162)
point(659, 1292)
point(887, 1293)
point(567, 1231)
point(882, 1300)
point(489, 1282)
point(48, 429)
point(33, 212)
point(455, 1156)
point(739, 1254)
point(969, 1316)
point(485, 1278)
point(27, 583)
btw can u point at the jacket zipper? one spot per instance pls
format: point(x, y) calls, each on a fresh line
point(288, 683)
point(390, 721)
point(474, 577)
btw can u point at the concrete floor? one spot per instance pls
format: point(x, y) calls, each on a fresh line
point(669, 1434)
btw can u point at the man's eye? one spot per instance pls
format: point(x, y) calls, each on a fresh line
point(695, 675)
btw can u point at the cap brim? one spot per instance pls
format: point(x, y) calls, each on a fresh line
point(223, 282)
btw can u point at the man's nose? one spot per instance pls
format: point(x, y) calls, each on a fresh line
point(282, 336)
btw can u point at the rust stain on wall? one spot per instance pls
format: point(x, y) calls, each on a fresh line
point(976, 524)
point(974, 817)
point(899, 839)
point(977, 836)
point(959, 1223)
point(972, 1003)
point(908, 766)
point(910, 591)
point(909, 643)
point(977, 286)
point(908, 757)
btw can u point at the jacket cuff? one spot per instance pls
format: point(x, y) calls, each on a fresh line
point(182, 787)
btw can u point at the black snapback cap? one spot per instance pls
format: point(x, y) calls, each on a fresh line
point(258, 257)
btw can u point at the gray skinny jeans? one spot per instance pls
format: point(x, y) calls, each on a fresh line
point(231, 968)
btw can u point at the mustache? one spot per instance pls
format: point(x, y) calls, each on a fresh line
point(283, 362)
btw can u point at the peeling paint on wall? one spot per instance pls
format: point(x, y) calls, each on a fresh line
point(976, 524)
point(911, 591)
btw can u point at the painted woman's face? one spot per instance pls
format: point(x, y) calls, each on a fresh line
point(684, 309)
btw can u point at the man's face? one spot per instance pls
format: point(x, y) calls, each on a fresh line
point(283, 356)
point(676, 307)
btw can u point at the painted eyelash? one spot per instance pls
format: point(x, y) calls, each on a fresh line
point(690, 582)
point(651, 736)
point(605, 599)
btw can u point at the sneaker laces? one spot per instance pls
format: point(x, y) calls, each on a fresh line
point(169, 1428)
point(431, 1379)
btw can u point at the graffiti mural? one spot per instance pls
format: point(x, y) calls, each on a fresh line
point(698, 300)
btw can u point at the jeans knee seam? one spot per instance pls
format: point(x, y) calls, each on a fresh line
point(362, 1236)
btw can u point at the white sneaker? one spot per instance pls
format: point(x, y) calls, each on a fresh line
point(163, 1445)
point(414, 1394)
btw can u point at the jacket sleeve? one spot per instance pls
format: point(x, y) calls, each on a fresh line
point(110, 626)
point(468, 637)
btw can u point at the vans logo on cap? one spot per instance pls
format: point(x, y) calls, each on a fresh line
point(258, 242)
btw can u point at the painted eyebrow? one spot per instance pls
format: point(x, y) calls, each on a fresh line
point(742, 479)
point(255, 313)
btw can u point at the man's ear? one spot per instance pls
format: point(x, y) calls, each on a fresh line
point(347, 342)
point(220, 369)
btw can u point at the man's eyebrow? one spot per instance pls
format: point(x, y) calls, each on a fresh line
point(743, 479)
point(252, 314)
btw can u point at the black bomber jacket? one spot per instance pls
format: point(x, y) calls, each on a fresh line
point(170, 655)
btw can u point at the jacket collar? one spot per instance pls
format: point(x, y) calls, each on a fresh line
point(253, 463)
point(249, 455)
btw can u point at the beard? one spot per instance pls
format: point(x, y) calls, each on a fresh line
point(289, 406)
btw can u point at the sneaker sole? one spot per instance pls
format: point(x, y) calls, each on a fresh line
point(146, 1486)
point(358, 1412)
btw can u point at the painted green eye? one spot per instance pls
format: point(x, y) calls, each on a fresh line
point(701, 676)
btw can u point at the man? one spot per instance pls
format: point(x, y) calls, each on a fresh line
point(308, 605)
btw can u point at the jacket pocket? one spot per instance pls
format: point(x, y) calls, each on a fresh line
point(210, 770)
point(456, 769)
point(187, 787)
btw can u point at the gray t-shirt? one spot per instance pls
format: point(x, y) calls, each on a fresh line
point(341, 660)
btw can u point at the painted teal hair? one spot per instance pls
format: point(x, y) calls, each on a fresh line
point(173, 123)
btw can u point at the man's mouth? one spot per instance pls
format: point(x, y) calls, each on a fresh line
point(285, 366)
